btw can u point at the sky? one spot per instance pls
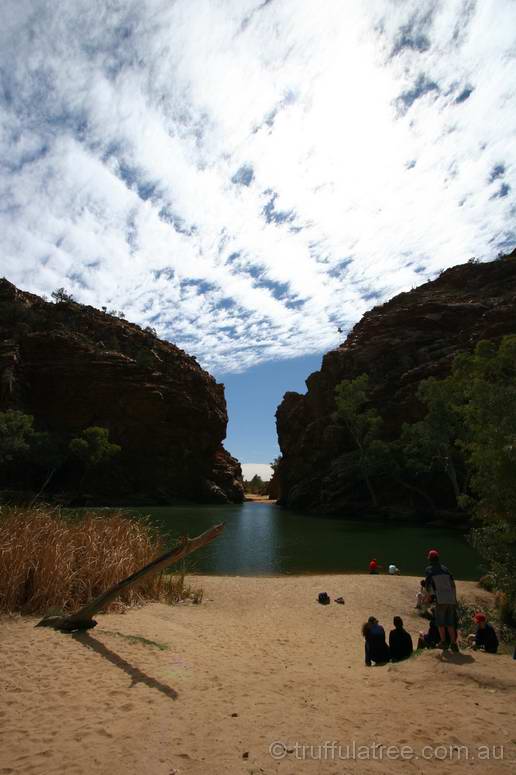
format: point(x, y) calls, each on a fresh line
point(248, 176)
point(252, 398)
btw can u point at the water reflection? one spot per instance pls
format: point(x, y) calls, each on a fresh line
point(263, 539)
point(249, 542)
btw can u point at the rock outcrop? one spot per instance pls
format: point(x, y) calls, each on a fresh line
point(72, 366)
point(414, 336)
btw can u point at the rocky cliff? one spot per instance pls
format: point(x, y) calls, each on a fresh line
point(410, 338)
point(72, 366)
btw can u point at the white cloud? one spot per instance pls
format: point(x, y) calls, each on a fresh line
point(256, 469)
point(246, 176)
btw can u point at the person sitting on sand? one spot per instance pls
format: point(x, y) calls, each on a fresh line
point(373, 566)
point(422, 597)
point(440, 582)
point(393, 570)
point(376, 648)
point(400, 642)
point(430, 639)
point(485, 637)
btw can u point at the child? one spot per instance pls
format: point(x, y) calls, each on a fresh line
point(423, 599)
point(485, 637)
point(421, 595)
point(400, 642)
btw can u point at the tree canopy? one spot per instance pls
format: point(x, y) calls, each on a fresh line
point(93, 447)
point(16, 430)
point(467, 433)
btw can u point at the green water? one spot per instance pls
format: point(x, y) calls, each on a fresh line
point(262, 539)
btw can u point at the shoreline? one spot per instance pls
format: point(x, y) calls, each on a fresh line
point(196, 689)
point(320, 574)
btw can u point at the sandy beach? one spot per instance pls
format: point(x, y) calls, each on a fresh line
point(207, 689)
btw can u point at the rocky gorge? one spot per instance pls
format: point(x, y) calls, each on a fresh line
point(398, 344)
point(71, 366)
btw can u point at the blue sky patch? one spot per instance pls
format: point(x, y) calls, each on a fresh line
point(414, 34)
point(201, 286)
point(167, 272)
point(278, 290)
point(277, 216)
point(502, 192)
point(244, 176)
point(131, 176)
point(423, 85)
point(464, 95)
point(175, 220)
point(498, 171)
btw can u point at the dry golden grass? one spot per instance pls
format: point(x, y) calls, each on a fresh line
point(53, 563)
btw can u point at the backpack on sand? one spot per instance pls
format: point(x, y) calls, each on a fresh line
point(323, 598)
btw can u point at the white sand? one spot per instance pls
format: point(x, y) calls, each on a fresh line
point(263, 649)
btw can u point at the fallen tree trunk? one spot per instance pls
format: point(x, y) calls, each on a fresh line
point(82, 620)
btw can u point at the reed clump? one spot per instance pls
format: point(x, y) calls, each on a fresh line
point(50, 562)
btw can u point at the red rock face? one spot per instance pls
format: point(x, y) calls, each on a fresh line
point(414, 336)
point(72, 366)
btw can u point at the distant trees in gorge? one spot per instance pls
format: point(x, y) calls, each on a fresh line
point(256, 486)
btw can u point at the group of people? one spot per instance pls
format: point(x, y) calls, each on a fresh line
point(375, 568)
point(376, 648)
point(437, 600)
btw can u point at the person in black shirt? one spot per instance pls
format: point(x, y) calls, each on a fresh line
point(400, 642)
point(430, 639)
point(485, 636)
point(376, 649)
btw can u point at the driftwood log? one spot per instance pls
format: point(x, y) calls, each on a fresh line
point(82, 620)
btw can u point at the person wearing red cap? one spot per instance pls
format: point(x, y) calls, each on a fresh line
point(440, 582)
point(485, 637)
point(373, 566)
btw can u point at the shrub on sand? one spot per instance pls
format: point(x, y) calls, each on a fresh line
point(49, 561)
point(486, 582)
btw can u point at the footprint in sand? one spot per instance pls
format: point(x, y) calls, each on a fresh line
point(103, 733)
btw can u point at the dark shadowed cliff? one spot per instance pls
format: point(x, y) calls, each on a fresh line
point(71, 366)
point(414, 336)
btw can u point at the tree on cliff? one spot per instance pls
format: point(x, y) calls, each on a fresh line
point(469, 433)
point(26, 448)
point(488, 379)
point(15, 434)
point(363, 424)
point(275, 464)
point(61, 295)
point(93, 448)
point(48, 451)
point(431, 443)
